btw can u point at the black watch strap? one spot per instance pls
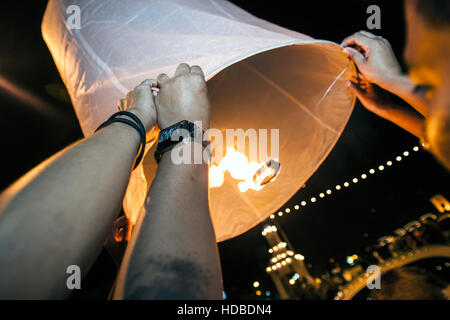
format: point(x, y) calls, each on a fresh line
point(168, 137)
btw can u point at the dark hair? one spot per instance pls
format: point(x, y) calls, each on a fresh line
point(435, 12)
point(409, 283)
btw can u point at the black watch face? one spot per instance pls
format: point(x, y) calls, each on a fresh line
point(173, 135)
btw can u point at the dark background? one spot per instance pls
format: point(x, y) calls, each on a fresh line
point(337, 226)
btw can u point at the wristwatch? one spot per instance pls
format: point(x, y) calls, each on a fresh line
point(171, 136)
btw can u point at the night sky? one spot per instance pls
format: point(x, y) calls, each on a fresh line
point(332, 227)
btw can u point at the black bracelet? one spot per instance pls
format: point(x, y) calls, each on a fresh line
point(131, 115)
point(139, 127)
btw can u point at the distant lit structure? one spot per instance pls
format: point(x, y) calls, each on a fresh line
point(286, 267)
point(425, 238)
point(421, 239)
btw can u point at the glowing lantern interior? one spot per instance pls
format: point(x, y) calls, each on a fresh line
point(259, 76)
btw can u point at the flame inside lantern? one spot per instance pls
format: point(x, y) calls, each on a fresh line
point(253, 175)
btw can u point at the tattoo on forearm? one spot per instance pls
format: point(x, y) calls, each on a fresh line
point(165, 277)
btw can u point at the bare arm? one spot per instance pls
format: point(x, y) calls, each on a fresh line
point(377, 100)
point(377, 63)
point(402, 86)
point(172, 253)
point(60, 213)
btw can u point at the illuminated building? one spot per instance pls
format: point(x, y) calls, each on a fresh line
point(286, 267)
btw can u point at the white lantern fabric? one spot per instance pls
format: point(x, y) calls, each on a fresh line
point(259, 75)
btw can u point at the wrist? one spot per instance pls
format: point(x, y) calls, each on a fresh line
point(395, 81)
point(115, 124)
point(126, 132)
point(401, 85)
point(181, 134)
point(147, 120)
point(203, 124)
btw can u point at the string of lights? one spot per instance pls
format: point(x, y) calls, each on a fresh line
point(347, 184)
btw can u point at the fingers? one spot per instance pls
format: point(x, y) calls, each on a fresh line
point(360, 39)
point(129, 99)
point(356, 56)
point(152, 84)
point(182, 68)
point(356, 89)
point(162, 79)
point(121, 105)
point(368, 34)
point(148, 82)
point(363, 94)
point(197, 70)
point(360, 93)
point(370, 100)
point(143, 92)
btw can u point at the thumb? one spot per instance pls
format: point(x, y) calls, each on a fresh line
point(144, 93)
point(356, 56)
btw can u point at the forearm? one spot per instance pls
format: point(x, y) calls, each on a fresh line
point(173, 253)
point(402, 86)
point(60, 213)
point(406, 118)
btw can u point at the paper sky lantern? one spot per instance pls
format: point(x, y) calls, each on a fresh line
point(259, 75)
